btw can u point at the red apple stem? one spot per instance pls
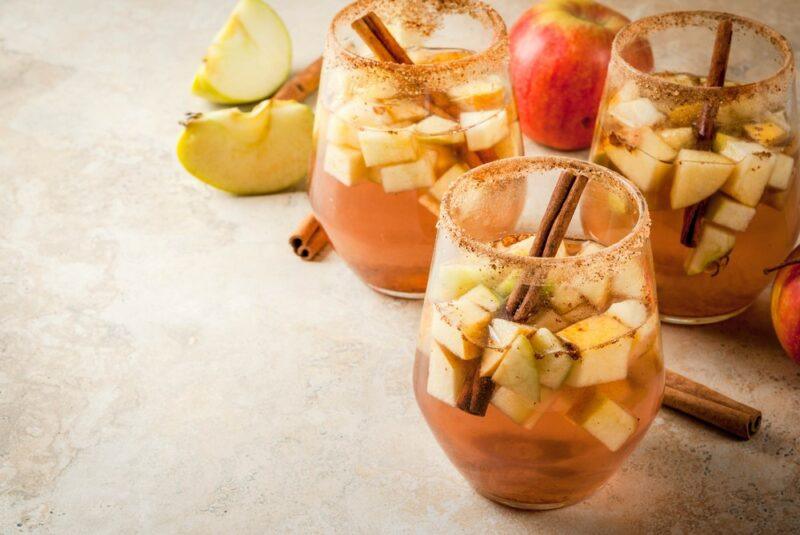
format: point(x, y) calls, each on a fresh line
point(785, 263)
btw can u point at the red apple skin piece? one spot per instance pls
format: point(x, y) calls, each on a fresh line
point(786, 307)
point(560, 51)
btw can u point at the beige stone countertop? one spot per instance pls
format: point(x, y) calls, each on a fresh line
point(168, 366)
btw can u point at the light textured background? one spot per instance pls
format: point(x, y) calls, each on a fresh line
point(166, 365)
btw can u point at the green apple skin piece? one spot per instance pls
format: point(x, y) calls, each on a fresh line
point(518, 408)
point(607, 422)
point(753, 170)
point(553, 360)
point(698, 175)
point(637, 113)
point(678, 138)
point(248, 60)
point(728, 213)
point(630, 281)
point(446, 374)
point(713, 243)
point(655, 145)
point(483, 297)
point(503, 332)
point(517, 371)
point(604, 345)
point(507, 285)
point(249, 153)
point(781, 177)
point(648, 173)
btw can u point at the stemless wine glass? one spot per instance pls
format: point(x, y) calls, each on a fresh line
point(539, 414)
point(390, 138)
point(723, 208)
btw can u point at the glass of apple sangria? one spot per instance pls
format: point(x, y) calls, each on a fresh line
point(538, 413)
point(723, 196)
point(390, 137)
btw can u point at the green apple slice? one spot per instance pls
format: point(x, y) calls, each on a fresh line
point(655, 145)
point(549, 319)
point(248, 60)
point(454, 280)
point(678, 138)
point(517, 371)
point(483, 297)
point(441, 185)
point(507, 285)
point(698, 174)
point(607, 422)
point(491, 359)
point(781, 177)
point(604, 345)
point(753, 168)
point(503, 332)
point(446, 374)
point(731, 214)
point(517, 407)
point(648, 173)
point(461, 327)
point(553, 360)
point(713, 243)
point(345, 164)
point(249, 153)
point(637, 113)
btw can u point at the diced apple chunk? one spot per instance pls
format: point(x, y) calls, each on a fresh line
point(460, 326)
point(345, 165)
point(579, 313)
point(364, 114)
point(387, 147)
point(724, 211)
point(631, 313)
point(549, 319)
point(340, 132)
point(642, 169)
point(446, 374)
point(483, 94)
point(753, 168)
point(644, 337)
point(595, 290)
point(604, 345)
point(435, 129)
point(698, 174)
point(713, 243)
point(484, 129)
point(629, 281)
point(407, 176)
point(553, 360)
point(431, 203)
point(781, 177)
point(767, 133)
point(503, 332)
point(491, 359)
point(511, 145)
point(440, 187)
point(607, 422)
point(564, 298)
point(637, 113)
point(678, 138)
point(406, 110)
point(517, 407)
point(483, 297)
point(454, 280)
point(517, 371)
point(655, 145)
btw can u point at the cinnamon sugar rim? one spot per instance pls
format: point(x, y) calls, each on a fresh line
point(496, 51)
point(493, 174)
point(678, 19)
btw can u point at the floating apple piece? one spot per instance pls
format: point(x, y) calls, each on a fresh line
point(786, 305)
point(249, 59)
point(249, 153)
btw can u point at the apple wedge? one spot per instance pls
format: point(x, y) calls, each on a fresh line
point(249, 153)
point(753, 168)
point(698, 174)
point(728, 213)
point(249, 58)
point(713, 243)
point(484, 129)
point(456, 279)
point(503, 332)
point(407, 176)
point(606, 421)
point(461, 327)
point(631, 313)
point(550, 319)
point(553, 359)
point(483, 297)
point(656, 146)
point(604, 345)
point(446, 374)
point(781, 177)
point(630, 281)
point(345, 165)
point(646, 172)
point(637, 113)
point(435, 129)
point(517, 370)
point(678, 138)
point(517, 407)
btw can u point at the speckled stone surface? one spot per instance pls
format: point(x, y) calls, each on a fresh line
point(167, 366)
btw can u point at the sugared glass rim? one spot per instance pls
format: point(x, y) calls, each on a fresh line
point(499, 170)
point(677, 19)
point(486, 59)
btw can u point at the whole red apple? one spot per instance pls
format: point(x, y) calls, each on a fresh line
point(786, 305)
point(560, 51)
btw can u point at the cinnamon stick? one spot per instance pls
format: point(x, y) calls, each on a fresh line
point(692, 215)
point(317, 242)
point(697, 400)
point(304, 231)
point(302, 84)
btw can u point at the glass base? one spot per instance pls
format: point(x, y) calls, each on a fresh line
point(401, 295)
point(522, 505)
point(680, 320)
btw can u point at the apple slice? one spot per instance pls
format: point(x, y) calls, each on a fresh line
point(655, 145)
point(454, 280)
point(698, 174)
point(724, 211)
point(483, 94)
point(646, 172)
point(637, 113)
point(596, 291)
point(781, 177)
point(387, 147)
point(517, 371)
point(579, 313)
point(261, 151)
point(713, 243)
point(518, 408)
point(340, 132)
point(550, 319)
point(644, 337)
point(630, 281)
point(404, 111)
point(564, 298)
point(753, 168)
point(440, 187)
point(407, 176)
point(484, 129)
point(364, 114)
point(460, 326)
point(491, 359)
point(523, 248)
point(503, 332)
point(248, 60)
point(767, 133)
point(678, 138)
point(435, 129)
point(553, 359)
point(607, 422)
point(604, 345)
point(511, 146)
point(631, 313)
point(446, 374)
point(507, 285)
point(483, 297)
point(345, 165)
